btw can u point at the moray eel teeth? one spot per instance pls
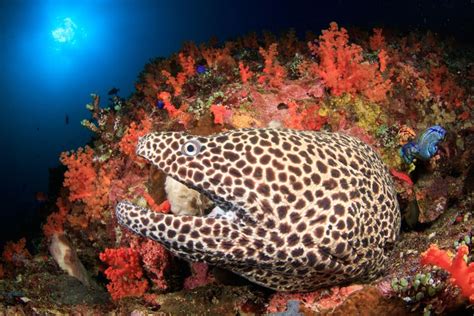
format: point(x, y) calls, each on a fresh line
point(299, 210)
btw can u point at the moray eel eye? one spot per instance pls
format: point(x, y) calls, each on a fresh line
point(191, 148)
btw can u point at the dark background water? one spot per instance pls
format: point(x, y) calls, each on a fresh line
point(44, 85)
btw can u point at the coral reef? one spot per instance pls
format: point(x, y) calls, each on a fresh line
point(380, 86)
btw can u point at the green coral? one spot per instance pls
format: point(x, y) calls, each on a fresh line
point(368, 115)
point(199, 107)
point(204, 84)
point(293, 66)
point(422, 287)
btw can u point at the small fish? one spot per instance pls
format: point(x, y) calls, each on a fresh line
point(425, 146)
point(113, 91)
point(428, 141)
point(201, 69)
point(41, 197)
point(160, 104)
point(66, 119)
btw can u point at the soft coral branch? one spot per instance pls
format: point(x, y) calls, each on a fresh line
point(274, 73)
point(462, 274)
point(124, 272)
point(343, 69)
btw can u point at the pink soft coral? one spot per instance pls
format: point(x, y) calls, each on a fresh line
point(200, 276)
point(462, 274)
point(155, 258)
point(326, 299)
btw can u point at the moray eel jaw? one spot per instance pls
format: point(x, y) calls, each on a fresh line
point(308, 209)
point(195, 161)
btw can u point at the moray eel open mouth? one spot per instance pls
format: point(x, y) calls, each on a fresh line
point(303, 210)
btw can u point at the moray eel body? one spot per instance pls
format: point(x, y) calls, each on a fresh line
point(302, 210)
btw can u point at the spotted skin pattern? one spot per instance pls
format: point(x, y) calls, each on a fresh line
point(303, 210)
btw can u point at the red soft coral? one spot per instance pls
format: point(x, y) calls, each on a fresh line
point(462, 274)
point(125, 273)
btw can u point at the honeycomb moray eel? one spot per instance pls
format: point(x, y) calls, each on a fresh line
point(302, 210)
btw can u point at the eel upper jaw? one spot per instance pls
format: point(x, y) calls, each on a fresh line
point(141, 149)
point(146, 151)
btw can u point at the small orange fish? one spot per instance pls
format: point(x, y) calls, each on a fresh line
point(41, 196)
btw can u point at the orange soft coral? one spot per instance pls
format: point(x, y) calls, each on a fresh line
point(55, 221)
point(343, 69)
point(86, 184)
point(16, 253)
point(444, 86)
point(174, 113)
point(188, 64)
point(129, 141)
point(377, 41)
point(306, 118)
point(245, 73)
point(80, 176)
point(125, 273)
point(462, 274)
point(219, 111)
point(175, 82)
point(218, 57)
point(294, 119)
point(274, 73)
point(383, 60)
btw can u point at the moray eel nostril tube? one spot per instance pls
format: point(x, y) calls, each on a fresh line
point(302, 210)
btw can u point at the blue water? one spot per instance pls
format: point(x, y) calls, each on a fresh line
point(42, 80)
